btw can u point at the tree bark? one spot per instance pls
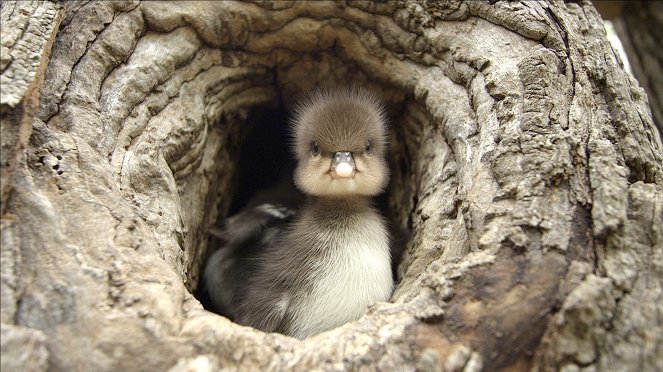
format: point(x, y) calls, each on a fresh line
point(525, 166)
point(640, 27)
point(24, 51)
point(28, 32)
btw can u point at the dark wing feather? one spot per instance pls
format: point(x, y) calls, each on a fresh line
point(245, 236)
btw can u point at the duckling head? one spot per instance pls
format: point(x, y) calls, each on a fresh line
point(340, 139)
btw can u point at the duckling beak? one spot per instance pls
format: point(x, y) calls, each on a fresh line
point(342, 165)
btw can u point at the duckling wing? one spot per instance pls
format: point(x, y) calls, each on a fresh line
point(245, 236)
point(252, 226)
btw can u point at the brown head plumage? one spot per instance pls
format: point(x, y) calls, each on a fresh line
point(340, 142)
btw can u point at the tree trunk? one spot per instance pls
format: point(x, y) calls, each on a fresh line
point(24, 54)
point(640, 27)
point(525, 167)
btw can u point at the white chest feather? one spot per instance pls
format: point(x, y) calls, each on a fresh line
point(356, 274)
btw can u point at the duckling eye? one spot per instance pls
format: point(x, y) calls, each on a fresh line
point(315, 149)
point(367, 146)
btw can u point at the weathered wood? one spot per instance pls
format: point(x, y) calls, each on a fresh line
point(526, 167)
point(28, 31)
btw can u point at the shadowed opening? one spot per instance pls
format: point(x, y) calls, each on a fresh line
point(264, 161)
point(264, 156)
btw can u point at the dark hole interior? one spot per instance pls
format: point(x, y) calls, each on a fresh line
point(264, 156)
point(265, 164)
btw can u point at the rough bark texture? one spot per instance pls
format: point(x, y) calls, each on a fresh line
point(640, 29)
point(28, 31)
point(526, 167)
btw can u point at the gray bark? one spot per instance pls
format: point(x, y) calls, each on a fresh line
point(28, 31)
point(526, 167)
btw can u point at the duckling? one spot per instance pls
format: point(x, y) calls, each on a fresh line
point(305, 273)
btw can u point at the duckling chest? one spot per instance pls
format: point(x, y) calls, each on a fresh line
point(352, 272)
